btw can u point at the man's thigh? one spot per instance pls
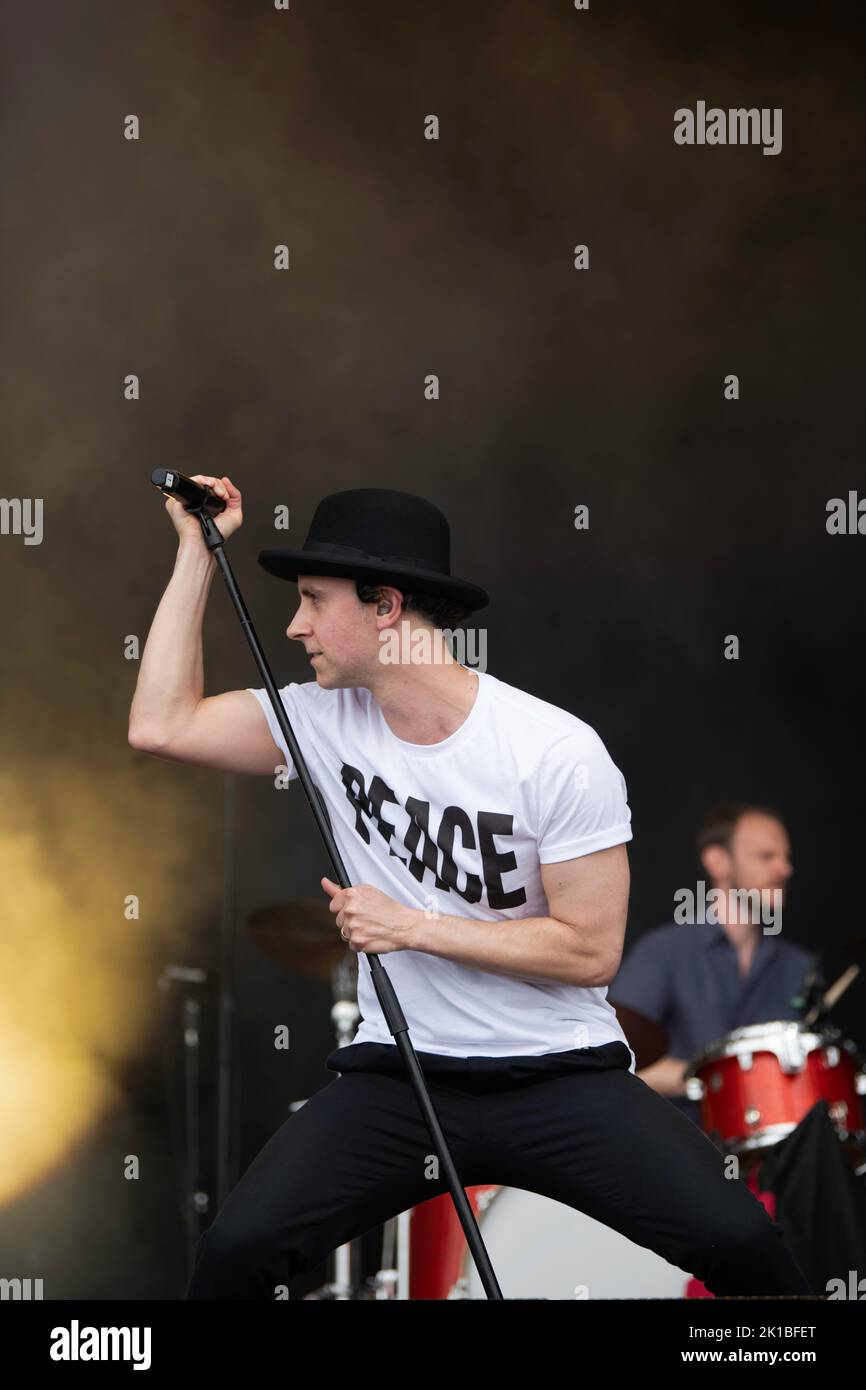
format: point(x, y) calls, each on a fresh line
point(608, 1144)
point(357, 1153)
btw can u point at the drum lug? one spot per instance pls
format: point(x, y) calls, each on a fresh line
point(792, 1051)
point(752, 1115)
point(745, 1060)
point(694, 1088)
point(860, 1083)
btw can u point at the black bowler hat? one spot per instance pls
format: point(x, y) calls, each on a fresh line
point(383, 536)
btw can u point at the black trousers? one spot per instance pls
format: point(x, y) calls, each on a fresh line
point(579, 1128)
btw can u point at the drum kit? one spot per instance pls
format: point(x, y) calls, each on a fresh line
point(756, 1084)
point(754, 1087)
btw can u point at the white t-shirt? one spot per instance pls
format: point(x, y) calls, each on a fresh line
point(462, 826)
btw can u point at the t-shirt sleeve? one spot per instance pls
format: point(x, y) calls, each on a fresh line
point(643, 980)
point(582, 804)
point(289, 697)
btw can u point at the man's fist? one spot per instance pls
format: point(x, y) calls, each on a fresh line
point(188, 527)
point(369, 920)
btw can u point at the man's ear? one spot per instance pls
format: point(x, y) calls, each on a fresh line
point(716, 862)
point(388, 601)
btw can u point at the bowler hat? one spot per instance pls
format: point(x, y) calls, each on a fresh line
point(380, 535)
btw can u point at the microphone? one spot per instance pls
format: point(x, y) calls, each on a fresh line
point(192, 495)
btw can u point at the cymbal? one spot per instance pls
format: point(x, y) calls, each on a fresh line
point(648, 1040)
point(302, 935)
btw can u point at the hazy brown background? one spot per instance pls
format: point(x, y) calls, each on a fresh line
point(407, 257)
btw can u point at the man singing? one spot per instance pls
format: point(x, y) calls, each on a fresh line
point(484, 830)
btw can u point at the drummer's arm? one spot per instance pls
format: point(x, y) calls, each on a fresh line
point(667, 1076)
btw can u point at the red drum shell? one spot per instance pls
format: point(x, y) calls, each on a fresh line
point(437, 1246)
point(743, 1106)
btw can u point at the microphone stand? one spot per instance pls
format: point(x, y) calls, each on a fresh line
point(385, 992)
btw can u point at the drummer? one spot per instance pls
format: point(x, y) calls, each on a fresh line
point(701, 979)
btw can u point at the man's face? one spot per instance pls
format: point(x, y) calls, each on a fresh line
point(332, 621)
point(760, 854)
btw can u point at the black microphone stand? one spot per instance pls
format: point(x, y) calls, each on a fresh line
point(386, 994)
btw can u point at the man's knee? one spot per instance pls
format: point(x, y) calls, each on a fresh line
point(242, 1262)
point(743, 1251)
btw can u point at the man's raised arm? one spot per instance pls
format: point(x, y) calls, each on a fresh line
point(170, 716)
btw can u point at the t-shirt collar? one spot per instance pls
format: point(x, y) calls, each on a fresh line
point(445, 745)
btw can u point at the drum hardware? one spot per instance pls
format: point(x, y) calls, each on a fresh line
point(756, 1084)
point(183, 1018)
point(339, 1288)
point(391, 1280)
point(754, 1146)
point(386, 1283)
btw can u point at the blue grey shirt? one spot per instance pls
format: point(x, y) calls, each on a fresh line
point(687, 978)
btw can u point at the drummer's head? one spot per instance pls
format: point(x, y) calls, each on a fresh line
point(745, 846)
